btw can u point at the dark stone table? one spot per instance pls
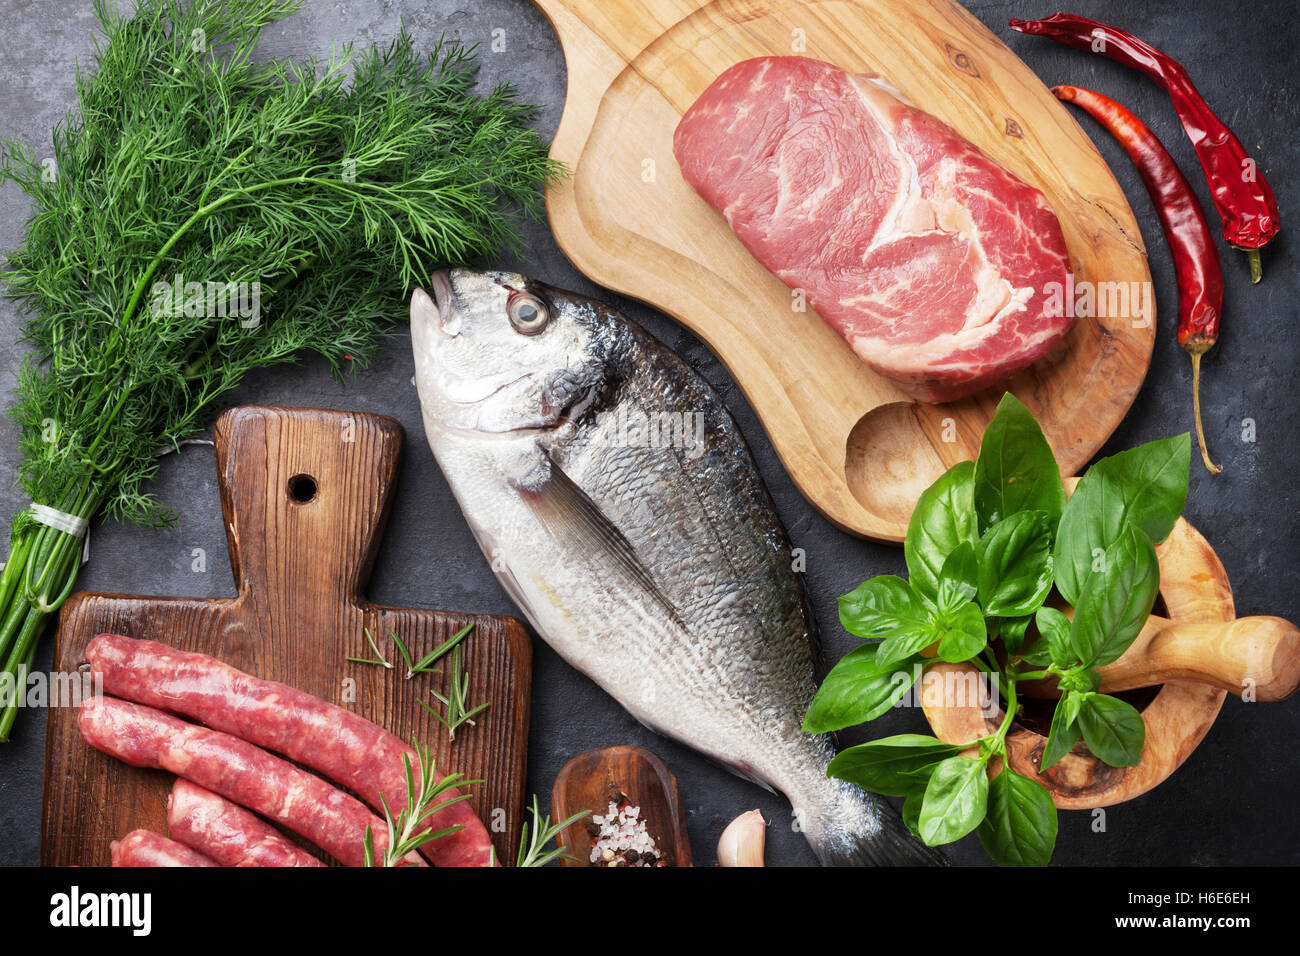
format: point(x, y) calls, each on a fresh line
point(1234, 800)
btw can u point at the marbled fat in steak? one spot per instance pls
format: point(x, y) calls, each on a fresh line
point(930, 259)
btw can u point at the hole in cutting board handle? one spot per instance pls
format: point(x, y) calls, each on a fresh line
point(302, 488)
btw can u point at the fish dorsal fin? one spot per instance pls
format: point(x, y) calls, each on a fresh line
point(572, 518)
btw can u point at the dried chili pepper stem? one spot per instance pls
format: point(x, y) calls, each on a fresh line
point(1242, 196)
point(1196, 260)
point(1256, 264)
point(1196, 354)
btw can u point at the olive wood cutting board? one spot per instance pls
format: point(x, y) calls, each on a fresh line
point(858, 449)
point(305, 494)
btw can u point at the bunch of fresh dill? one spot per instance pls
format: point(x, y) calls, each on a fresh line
point(203, 215)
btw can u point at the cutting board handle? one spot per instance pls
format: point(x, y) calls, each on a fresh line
point(305, 493)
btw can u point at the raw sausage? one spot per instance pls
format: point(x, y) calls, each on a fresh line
point(228, 833)
point(341, 745)
point(146, 848)
point(239, 771)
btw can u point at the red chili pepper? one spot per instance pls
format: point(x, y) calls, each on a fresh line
point(1196, 260)
point(1241, 194)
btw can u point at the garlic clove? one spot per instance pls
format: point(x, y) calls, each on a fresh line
point(742, 843)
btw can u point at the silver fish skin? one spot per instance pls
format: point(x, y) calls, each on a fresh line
point(619, 507)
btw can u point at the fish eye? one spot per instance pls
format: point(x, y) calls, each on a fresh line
point(528, 314)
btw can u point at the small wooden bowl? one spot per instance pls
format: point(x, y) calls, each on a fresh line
point(1194, 588)
point(591, 781)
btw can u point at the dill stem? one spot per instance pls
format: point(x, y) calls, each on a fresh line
point(33, 623)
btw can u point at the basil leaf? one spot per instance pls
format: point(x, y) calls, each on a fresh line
point(857, 690)
point(1146, 485)
point(881, 607)
point(1063, 735)
point(898, 648)
point(1016, 470)
point(1070, 705)
point(1020, 826)
point(1015, 564)
point(1113, 730)
point(1055, 629)
point(1011, 630)
point(959, 579)
point(955, 800)
point(1083, 679)
point(1116, 601)
point(912, 812)
point(890, 765)
point(1038, 654)
point(944, 517)
point(963, 634)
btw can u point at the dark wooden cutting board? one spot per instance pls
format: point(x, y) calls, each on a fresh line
point(305, 494)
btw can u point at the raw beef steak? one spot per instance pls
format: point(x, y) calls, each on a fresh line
point(930, 259)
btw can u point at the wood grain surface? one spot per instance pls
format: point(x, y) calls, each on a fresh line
point(300, 567)
point(593, 780)
point(857, 448)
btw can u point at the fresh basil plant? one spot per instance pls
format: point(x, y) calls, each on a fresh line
point(988, 546)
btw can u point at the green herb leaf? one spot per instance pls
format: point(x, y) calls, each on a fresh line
point(944, 517)
point(1070, 705)
point(422, 666)
point(1038, 654)
point(1011, 630)
point(882, 607)
point(532, 841)
point(1055, 630)
point(1062, 737)
point(1083, 679)
point(955, 800)
point(1146, 485)
point(911, 812)
point(456, 699)
point(403, 829)
point(906, 644)
point(962, 633)
point(891, 765)
point(857, 690)
point(959, 579)
point(1015, 564)
point(1020, 826)
point(1116, 599)
point(1113, 730)
point(1016, 470)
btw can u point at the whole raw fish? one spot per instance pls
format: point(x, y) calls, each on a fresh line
point(620, 508)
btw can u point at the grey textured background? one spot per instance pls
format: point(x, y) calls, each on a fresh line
point(1234, 800)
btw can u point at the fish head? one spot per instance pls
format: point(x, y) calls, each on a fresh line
point(499, 354)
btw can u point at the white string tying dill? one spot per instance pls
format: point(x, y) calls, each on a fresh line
point(79, 527)
point(74, 525)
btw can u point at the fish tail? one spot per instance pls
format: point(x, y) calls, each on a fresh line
point(860, 830)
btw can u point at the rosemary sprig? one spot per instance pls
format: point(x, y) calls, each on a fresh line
point(532, 846)
point(422, 665)
point(404, 833)
point(374, 647)
point(455, 700)
point(413, 667)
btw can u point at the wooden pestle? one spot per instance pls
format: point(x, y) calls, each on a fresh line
point(1259, 655)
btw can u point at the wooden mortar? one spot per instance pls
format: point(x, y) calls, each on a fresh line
point(1196, 656)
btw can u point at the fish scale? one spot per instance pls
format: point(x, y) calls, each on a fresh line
point(657, 567)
